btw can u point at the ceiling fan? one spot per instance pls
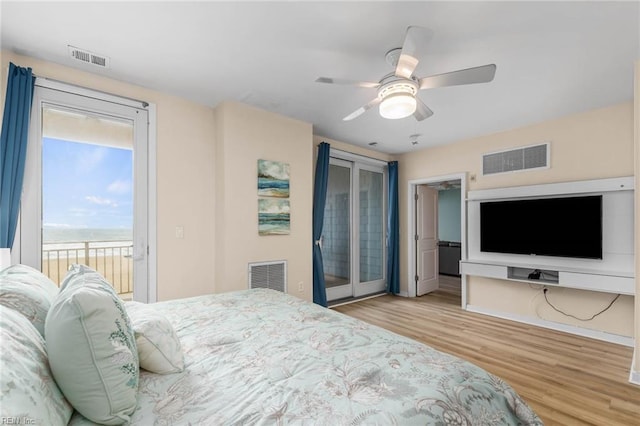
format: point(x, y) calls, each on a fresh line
point(397, 91)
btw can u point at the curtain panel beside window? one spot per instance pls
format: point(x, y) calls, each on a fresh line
point(393, 232)
point(13, 149)
point(319, 200)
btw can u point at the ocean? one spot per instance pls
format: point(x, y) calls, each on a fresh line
point(268, 187)
point(273, 223)
point(66, 235)
point(66, 242)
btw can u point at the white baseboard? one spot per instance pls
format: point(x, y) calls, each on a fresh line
point(403, 294)
point(585, 332)
point(634, 376)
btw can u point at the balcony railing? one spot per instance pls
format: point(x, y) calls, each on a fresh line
point(112, 259)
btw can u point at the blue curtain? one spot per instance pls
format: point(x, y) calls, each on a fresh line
point(319, 199)
point(13, 149)
point(393, 232)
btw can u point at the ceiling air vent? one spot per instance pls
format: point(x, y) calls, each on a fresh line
point(519, 159)
point(89, 57)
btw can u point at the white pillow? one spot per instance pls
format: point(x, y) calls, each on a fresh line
point(27, 291)
point(28, 391)
point(159, 348)
point(92, 349)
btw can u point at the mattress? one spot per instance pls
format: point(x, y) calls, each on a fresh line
point(267, 358)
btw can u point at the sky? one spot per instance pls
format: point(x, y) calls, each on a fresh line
point(86, 186)
point(274, 169)
point(273, 205)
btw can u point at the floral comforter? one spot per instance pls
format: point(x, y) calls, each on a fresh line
point(264, 357)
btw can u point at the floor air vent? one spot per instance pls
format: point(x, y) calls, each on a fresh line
point(272, 275)
point(525, 158)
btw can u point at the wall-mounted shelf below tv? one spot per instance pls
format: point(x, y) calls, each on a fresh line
point(593, 281)
point(533, 275)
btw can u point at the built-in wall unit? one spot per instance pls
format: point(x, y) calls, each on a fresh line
point(576, 235)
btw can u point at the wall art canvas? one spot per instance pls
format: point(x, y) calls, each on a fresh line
point(273, 179)
point(273, 216)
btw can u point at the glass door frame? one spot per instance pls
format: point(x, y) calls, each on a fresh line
point(374, 286)
point(345, 290)
point(356, 163)
point(28, 242)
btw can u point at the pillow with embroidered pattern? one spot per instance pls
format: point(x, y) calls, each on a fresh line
point(92, 348)
point(29, 392)
point(28, 291)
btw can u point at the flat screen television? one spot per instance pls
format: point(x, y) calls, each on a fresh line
point(564, 227)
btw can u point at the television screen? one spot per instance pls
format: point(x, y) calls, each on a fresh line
point(565, 227)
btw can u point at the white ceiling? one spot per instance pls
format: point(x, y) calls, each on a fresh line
point(553, 58)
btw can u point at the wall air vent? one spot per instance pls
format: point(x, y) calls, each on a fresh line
point(272, 275)
point(518, 159)
point(88, 57)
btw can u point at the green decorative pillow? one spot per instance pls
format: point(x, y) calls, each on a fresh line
point(27, 291)
point(159, 348)
point(92, 348)
point(27, 390)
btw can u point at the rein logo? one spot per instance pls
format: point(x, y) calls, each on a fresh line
point(17, 421)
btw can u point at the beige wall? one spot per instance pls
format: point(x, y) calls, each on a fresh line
point(592, 145)
point(185, 183)
point(245, 135)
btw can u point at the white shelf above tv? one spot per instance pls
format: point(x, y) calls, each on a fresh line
point(614, 273)
point(548, 190)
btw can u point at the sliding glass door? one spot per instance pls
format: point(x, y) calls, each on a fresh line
point(353, 240)
point(371, 219)
point(336, 235)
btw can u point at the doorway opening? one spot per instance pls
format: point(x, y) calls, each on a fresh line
point(437, 235)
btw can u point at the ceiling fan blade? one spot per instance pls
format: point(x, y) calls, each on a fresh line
point(422, 111)
point(482, 74)
point(347, 82)
point(362, 109)
point(413, 48)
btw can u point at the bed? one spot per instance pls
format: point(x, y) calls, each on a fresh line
point(264, 357)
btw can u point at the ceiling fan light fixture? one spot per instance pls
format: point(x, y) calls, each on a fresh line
point(398, 105)
point(398, 99)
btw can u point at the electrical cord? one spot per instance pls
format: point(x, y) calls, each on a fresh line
point(544, 291)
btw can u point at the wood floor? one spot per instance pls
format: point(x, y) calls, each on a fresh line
point(566, 379)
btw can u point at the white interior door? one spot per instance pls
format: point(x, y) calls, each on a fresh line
point(426, 240)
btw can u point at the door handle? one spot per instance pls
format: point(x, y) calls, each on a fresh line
point(139, 255)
